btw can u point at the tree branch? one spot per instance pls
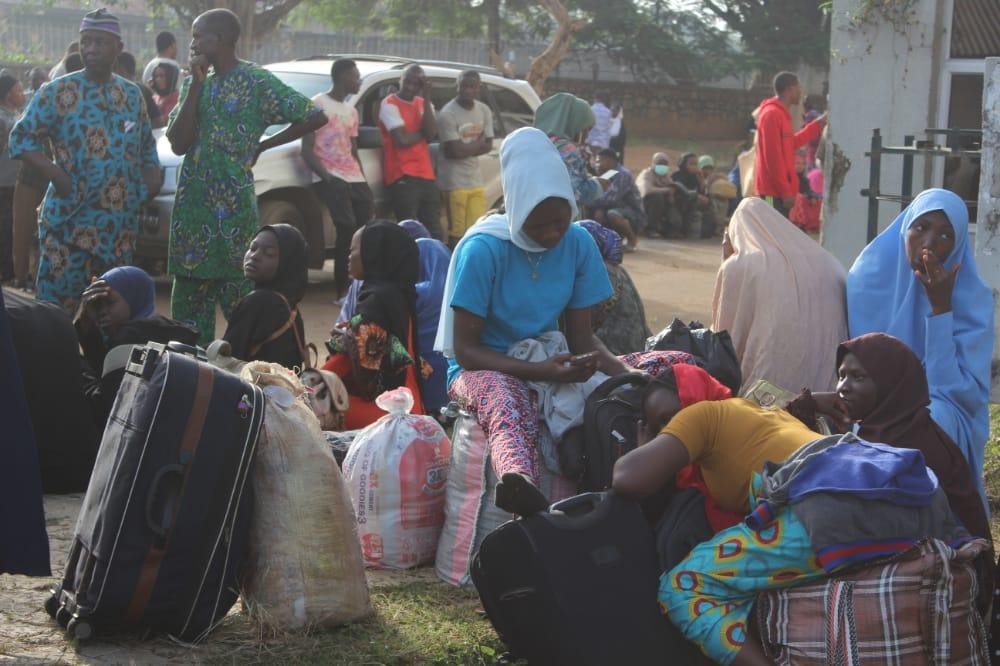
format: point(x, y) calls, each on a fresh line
point(546, 62)
point(268, 20)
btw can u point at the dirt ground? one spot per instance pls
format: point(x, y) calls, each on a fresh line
point(29, 636)
point(675, 278)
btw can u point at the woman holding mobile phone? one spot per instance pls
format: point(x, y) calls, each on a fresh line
point(515, 276)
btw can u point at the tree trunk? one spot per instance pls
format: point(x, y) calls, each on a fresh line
point(546, 63)
point(492, 8)
point(257, 26)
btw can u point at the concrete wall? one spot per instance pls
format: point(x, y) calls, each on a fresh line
point(880, 77)
point(988, 222)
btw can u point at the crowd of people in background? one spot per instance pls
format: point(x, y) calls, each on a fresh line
point(439, 307)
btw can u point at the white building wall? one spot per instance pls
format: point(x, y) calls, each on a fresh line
point(988, 223)
point(880, 77)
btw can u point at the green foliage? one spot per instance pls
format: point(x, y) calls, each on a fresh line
point(777, 34)
point(648, 36)
point(900, 14)
point(447, 18)
point(654, 40)
point(991, 461)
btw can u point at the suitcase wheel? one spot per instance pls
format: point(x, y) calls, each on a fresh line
point(52, 605)
point(79, 629)
point(63, 616)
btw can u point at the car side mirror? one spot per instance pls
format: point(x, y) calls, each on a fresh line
point(369, 137)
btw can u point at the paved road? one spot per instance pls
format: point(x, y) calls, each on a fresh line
point(675, 278)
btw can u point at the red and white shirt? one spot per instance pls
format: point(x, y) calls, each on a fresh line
point(399, 161)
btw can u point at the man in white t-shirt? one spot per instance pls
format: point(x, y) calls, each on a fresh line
point(465, 127)
point(332, 153)
point(166, 52)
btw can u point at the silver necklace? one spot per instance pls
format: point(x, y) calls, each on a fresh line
point(534, 264)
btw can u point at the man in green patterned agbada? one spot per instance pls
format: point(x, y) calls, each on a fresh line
point(217, 126)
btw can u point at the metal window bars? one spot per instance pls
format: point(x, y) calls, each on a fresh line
point(954, 140)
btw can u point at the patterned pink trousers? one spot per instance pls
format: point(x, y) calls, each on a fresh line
point(507, 409)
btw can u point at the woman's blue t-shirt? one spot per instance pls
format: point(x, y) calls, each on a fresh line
point(493, 280)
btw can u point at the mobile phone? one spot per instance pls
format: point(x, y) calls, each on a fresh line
point(581, 359)
point(609, 174)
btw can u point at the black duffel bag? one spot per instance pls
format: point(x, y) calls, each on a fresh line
point(713, 351)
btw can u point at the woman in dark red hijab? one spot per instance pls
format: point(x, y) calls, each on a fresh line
point(882, 388)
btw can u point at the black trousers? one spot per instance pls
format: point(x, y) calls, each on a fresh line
point(417, 199)
point(351, 206)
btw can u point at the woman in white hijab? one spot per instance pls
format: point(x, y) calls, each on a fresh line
point(514, 276)
point(782, 298)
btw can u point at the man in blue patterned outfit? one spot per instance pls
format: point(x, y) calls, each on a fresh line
point(104, 167)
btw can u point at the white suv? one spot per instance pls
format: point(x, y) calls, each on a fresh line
point(282, 180)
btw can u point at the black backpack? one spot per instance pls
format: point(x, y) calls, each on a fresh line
point(610, 425)
point(712, 350)
point(576, 585)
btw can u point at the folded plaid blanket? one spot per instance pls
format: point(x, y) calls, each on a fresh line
point(919, 607)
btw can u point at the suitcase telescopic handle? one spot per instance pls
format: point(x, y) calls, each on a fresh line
point(187, 350)
point(580, 511)
point(161, 502)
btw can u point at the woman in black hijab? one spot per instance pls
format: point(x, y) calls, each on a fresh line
point(376, 350)
point(266, 324)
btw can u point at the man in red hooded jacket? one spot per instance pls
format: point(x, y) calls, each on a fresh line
point(774, 169)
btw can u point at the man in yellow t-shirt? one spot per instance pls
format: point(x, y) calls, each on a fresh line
point(465, 127)
point(728, 439)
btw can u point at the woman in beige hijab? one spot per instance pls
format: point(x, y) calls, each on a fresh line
point(782, 298)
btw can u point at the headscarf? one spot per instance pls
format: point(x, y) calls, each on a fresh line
point(434, 259)
point(705, 161)
point(901, 417)
point(685, 177)
point(292, 276)
point(136, 287)
point(391, 265)
point(781, 297)
point(883, 295)
point(694, 385)
point(415, 229)
point(173, 75)
point(609, 242)
point(531, 171)
point(564, 115)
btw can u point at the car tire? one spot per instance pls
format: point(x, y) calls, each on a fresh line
point(279, 211)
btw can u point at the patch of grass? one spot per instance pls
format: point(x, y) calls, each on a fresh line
point(991, 470)
point(415, 623)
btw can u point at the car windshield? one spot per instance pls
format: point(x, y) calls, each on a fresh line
point(309, 85)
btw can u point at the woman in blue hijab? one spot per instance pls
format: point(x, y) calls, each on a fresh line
point(918, 281)
point(434, 259)
point(118, 310)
